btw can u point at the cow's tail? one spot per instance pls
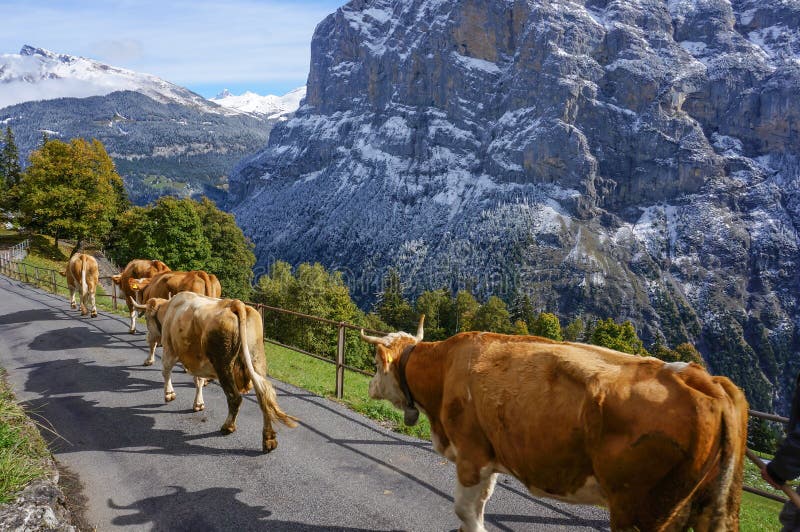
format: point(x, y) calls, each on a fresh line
point(84, 286)
point(264, 390)
point(733, 446)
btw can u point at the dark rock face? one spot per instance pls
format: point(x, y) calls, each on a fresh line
point(639, 160)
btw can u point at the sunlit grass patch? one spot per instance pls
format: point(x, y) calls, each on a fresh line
point(22, 449)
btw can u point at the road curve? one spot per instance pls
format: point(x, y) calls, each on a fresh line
point(147, 465)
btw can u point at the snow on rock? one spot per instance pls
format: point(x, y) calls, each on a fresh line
point(36, 74)
point(638, 160)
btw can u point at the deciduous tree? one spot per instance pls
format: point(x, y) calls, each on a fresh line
point(231, 257)
point(493, 316)
point(70, 190)
point(547, 325)
point(622, 337)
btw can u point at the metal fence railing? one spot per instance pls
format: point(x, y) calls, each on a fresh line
point(16, 252)
point(316, 328)
point(55, 282)
point(47, 278)
point(313, 329)
point(752, 489)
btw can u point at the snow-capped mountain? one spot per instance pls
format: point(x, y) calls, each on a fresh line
point(35, 74)
point(271, 106)
point(164, 138)
point(636, 160)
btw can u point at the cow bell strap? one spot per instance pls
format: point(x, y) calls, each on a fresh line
point(401, 365)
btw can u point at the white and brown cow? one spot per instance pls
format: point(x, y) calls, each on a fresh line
point(216, 339)
point(82, 277)
point(165, 285)
point(660, 445)
point(136, 269)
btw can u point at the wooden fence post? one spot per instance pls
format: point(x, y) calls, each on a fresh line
point(55, 286)
point(340, 363)
point(113, 295)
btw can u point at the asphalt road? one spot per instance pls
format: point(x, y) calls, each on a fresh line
point(147, 465)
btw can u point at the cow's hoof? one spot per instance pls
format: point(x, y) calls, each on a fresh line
point(227, 429)
point(94, 313)
point(84, 313)
point(199, 407)
point(148, 362)
point(73, 305)
point(269, 445)
point(132, 331)
point(169, 397)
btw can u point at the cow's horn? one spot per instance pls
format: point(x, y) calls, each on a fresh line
point(420, 329)
point(371, 339)
point(139, 306)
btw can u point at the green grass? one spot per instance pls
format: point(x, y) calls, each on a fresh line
point(22, 449)
point(758, 514)
point(319, 377)
point(43, 257)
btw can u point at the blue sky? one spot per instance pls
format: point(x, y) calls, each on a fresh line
point(263, 46)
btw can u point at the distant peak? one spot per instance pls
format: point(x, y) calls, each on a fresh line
point(224, 94)
point(30, 50)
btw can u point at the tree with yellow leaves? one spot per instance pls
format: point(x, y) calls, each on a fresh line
point(71, 190)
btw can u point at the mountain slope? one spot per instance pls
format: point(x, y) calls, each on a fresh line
point(36, 74)
point(163, 138)
point(638, 160)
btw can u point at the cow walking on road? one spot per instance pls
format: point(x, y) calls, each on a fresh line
point(660, 445)
point(136, 269)
point(216, 339)
point(82, 277)
point(165, 285)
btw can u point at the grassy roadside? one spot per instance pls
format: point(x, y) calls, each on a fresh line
point(319, 378)
point(757, 514)
point(44, 256)
point(23, 451)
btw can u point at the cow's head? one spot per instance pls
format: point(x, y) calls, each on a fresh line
point(154, 311)
point(137, 285)
point(386, 382)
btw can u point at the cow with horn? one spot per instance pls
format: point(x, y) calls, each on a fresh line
point(661, 445)
point(216, 339)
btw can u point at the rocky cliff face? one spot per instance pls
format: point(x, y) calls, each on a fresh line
point(636, 159)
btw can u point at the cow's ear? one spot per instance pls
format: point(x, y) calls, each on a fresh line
point(116, 278)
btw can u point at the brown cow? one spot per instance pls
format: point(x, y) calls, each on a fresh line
point(660, 445)
point(136, 269)
point(167, 284)
point(170, 283)
point(82, 277)
point(216, 339)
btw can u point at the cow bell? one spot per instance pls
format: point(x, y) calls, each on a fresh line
point(410, 416)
